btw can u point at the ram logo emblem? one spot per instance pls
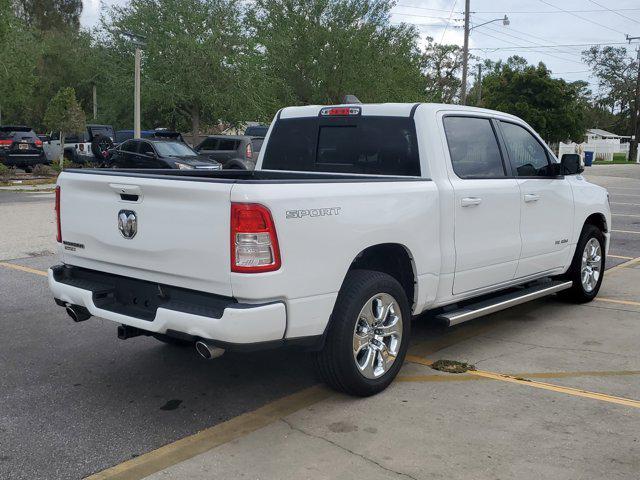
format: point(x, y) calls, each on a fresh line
point(127, 223)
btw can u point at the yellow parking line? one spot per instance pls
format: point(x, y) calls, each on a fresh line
point(23, 269)
point(621, 302)
point(620, 256)
point(627, 264)
point(557, 388)
point(626, 231)
point(467, 376)
point(205, 440)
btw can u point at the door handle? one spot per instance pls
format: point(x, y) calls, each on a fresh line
point(531, 197)
point(470, 201)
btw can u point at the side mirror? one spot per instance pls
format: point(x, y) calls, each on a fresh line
point(571, 164)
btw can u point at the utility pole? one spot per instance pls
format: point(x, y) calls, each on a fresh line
point(136, 95)
point(465, 48)
point(95, 102)
point(139, 42)
point(465, 52)
point(635, 127)
point(479, 84)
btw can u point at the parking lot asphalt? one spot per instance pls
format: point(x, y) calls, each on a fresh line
point(76, 400)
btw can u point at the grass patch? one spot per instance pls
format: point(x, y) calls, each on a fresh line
point(452, 366)
point(617, 159)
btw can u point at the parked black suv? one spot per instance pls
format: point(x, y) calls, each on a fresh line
point(20, 147)
point(155, 153)
point(239, 152)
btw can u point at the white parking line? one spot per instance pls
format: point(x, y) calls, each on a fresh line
point(632, 204)
point(624, 215)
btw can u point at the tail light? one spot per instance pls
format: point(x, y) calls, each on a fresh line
point(5, 143)
point(254, 244)
point(38, 142)
point(248, 151)
point(57, 207)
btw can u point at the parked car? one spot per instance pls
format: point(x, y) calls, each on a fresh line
point(257, 130)
point(90, 146)
point(157, 153)
point(239, 152)
point(356, 219)
point(20, 147)
point(123, 135)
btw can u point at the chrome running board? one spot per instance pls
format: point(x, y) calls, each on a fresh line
point(501, 302)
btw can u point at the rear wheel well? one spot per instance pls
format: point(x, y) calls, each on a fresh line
point(392, 259)
point(597, 220)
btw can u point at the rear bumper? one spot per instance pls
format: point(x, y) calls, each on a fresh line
point(191, 313)
point(23, 159)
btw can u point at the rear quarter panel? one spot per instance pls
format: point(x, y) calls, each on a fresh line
point(317, 251)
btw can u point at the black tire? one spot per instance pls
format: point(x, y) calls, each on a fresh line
point(335, 362)
point(100, 144)
point(177, 342)
point(577, 293)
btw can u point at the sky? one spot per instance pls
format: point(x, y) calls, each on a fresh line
point(535, 27)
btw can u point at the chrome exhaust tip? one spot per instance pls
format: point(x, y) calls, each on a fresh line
point(77, 313)
point(207, 350)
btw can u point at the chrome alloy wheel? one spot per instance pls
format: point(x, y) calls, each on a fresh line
point(377, 335)
point(591, 265)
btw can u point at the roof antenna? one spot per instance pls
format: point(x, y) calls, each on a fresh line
point(350, 99)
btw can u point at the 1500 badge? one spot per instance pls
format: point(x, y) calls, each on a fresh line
point(313, 212)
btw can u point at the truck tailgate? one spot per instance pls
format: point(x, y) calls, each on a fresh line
point(182, 228)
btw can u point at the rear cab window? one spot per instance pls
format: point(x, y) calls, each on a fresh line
point(371, 145)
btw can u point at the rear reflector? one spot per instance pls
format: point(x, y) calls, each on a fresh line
point(57, 208)
point(254, 244)
point(339, 111)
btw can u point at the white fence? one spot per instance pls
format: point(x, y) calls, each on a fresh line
point(602, 149)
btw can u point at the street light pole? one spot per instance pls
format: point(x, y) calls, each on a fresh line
point(136, 95)
point(465, 53)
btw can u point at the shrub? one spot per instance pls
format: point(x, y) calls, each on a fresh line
point(44, 171)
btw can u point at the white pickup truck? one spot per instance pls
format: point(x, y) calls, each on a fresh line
point(357, 218)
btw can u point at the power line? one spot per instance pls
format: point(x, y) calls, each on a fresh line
point(523, 39)
point(613, 11)
point(525, 12)
point(448, 21)
point(523, 46)
point(581, 17)
point(553, 46)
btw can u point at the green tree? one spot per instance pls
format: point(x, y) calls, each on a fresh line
point(554, 108)
point(616, 71)
point(191, 61)
point(64, 115)
point(316, 51)
point(441, 66)
point(45, 15)
point(19, 54)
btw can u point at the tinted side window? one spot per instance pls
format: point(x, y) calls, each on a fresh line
point(228, 144)
point(146, 148)
point(473, 147)
point(528, 158)
point(128, 147)
point(209, 144)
